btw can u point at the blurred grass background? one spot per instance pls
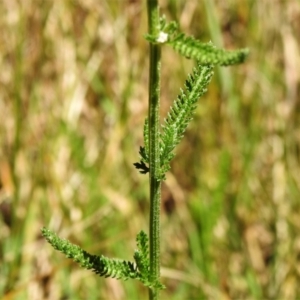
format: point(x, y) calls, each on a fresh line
point(73, 98)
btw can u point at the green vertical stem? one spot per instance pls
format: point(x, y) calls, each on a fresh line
point(154, 160)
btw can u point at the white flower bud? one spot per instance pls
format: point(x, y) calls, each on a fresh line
point(162, 37)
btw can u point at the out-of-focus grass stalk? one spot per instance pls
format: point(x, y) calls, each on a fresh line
point(224, 74)
point(14, 244)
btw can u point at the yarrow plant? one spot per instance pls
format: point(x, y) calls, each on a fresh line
point(160, 141)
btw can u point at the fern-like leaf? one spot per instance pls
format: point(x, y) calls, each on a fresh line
point(141, 257)
point(108, 267)
point(144, 152)
point(141, 166)
point(189, 47)
point(145, 157)
point(206, 53)
point(181, 113)
point(101, 265)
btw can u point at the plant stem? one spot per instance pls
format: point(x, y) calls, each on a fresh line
point(154, 160)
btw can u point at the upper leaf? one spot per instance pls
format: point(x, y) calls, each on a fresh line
point(181, 113)
point(206, 53)
point(189, 47)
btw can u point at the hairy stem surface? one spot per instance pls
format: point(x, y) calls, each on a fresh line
point(154, 160)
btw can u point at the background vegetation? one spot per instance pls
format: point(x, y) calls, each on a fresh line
point(73, 97)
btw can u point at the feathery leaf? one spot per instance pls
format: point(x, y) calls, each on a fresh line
point(101, 265)
point(144, 152)
point(181, 113)
point(146, 141)
point(108, 267)
point(141, 166)
point(141, 255)
point(206, 53)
